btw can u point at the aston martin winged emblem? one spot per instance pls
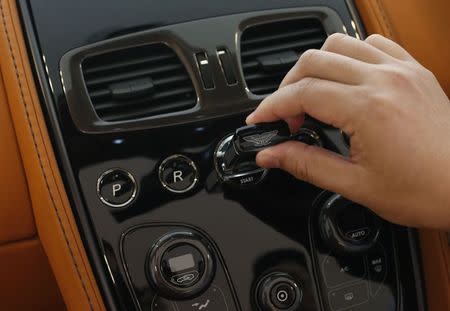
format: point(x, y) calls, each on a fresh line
point(261, 139)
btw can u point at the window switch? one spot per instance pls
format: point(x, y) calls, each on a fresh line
point(227, 66)
point(205, 70)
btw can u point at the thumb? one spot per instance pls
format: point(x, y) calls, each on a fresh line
point(312, 164)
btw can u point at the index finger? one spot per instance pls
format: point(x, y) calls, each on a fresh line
point(327, 101)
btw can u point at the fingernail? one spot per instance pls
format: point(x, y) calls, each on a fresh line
point(249, 118)
point(266, 160)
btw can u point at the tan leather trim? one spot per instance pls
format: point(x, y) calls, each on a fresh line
point(420, 26)
point(27, 279)
point(16, 216)
point(436, 268)
point(54, 218)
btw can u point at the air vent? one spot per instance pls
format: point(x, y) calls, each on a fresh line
point(269, 50)
point(138, 82)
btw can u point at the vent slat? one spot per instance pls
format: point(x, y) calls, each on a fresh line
point(162, 83)
point(187, 91)
point(297, 45)
point(278, 36)
point(264, 75)
point(99, 93)
point(265, 88)
point(127, 63)
point(138, 82)
point(172, 79)
point(149, 111)
point(132, 74)
point(269, 50)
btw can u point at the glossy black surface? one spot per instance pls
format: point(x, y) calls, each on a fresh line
point(255, 231)
point(356, 280)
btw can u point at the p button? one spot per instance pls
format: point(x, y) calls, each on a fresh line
point(178, 174)
point(116, 188)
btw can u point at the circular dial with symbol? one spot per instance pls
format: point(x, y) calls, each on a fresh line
point(181, 264)
point(116, 188)
point(178, 174)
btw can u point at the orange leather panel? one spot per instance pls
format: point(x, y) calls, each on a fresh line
point(16, 216)
point(422, 28)
point(28, 281)
point(436, 269)
point(54, 218)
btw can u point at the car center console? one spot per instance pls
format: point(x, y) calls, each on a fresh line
point(146, 103)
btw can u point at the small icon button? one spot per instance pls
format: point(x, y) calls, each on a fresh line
point(283, 295)
point(377, 270)
point(162, 304)
point(116, 188)
point(178, 174)
point(185, 279)
point(341, 270)
point(212, 300)
point(278, 291)
point(347, 297)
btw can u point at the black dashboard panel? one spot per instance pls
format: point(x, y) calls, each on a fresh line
point(209, 244)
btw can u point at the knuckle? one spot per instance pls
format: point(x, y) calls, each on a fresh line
point(305, 61)
point(334, 40)
point(301, 167)
point(374, 38)
point(308, 56)
point(302, 87)
point(424, 72)
point(376, 104)
point(397, 76)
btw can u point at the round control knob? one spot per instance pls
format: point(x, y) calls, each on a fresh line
point(348, 227)
point(245, 172)
point(181, 265)
point(116, 188)
point(309, 137)
point(178, 174)
point(278, 291)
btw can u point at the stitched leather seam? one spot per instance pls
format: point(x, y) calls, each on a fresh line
point(9, 242)
point(374, 17)
point(19, 81)
point(443, 243)
point(386, 22)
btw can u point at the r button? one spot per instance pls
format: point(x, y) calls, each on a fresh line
point(178, 174)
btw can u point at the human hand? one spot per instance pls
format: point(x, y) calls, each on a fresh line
point(396, 115)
